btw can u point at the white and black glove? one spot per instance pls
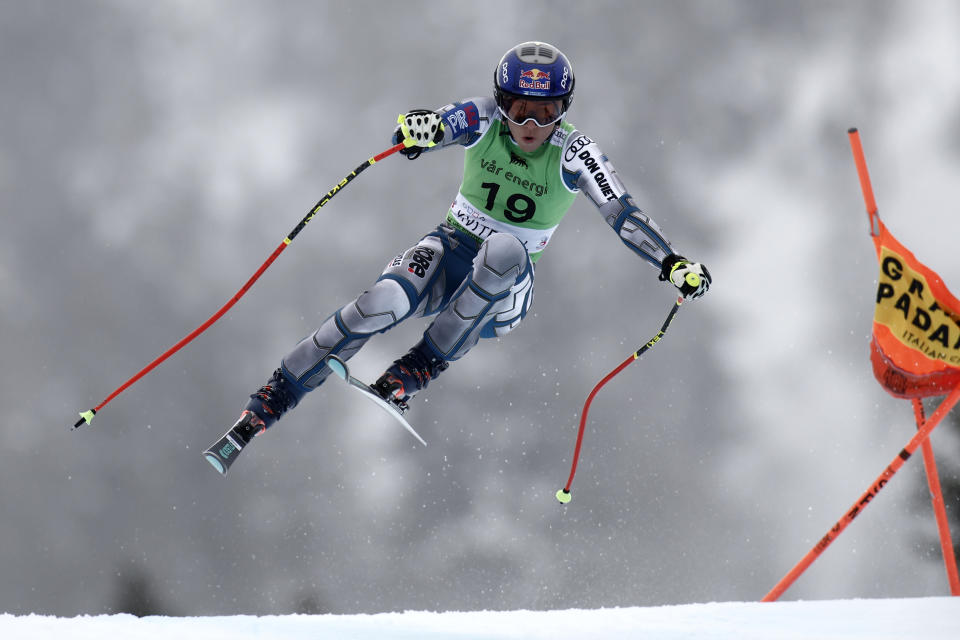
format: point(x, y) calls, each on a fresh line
point(418, 130)
point(691, 278)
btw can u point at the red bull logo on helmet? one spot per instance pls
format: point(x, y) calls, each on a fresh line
point(535, 79)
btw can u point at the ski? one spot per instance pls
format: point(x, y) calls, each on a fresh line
point(340, 369)
point(224, 452)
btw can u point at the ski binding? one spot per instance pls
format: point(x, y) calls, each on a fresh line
point(339, 367)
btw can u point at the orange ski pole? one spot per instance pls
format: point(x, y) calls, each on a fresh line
point(563, 495)
point(87, 416)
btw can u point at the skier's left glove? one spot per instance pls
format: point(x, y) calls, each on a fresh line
point(419, 129)
point(692, 278)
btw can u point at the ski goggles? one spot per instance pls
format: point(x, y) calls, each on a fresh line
point(543, 111)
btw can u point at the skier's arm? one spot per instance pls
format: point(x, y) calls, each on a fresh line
point(586, 168)
point(457, 123)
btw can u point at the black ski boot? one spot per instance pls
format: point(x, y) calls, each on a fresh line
point(264, 408)
point(273, 399)
point(408, 375)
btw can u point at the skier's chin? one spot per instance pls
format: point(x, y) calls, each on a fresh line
point(529, 138)
point(528, 143)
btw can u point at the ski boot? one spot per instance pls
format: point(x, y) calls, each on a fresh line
point(263, 409)
point(408, 375)
point(274, 399)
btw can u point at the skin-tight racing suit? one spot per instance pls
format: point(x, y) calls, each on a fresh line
point(475, 271)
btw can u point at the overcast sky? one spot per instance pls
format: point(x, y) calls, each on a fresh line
point(152, 156)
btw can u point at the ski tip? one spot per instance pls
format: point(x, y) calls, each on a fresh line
point(564, 496)
point(215, 463)
point(338, 366)
point(852, 130)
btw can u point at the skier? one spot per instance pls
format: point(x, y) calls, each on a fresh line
point(523, 167)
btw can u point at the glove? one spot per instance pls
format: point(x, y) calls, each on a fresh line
point(692, 278)
point(419, 129)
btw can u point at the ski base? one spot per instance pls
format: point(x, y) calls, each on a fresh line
point(340, 369)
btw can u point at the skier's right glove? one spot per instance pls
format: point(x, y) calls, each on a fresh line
point(691, 278)
point(418, 130)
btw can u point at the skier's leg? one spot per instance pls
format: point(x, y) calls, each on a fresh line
point(491, 301)
point(404, 288)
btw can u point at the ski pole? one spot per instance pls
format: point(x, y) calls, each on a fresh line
point(87, 416)
point(563, 495)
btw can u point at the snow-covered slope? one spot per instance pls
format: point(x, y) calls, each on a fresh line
point(894, 619)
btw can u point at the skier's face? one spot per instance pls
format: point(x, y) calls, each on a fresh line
point(518, 109)
point(529, 136)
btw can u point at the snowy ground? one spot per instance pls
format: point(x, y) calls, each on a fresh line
point(899, 619)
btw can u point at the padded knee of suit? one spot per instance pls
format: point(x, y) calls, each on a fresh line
point(385, 304)
point(501, 263)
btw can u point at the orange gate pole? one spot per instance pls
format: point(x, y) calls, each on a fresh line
point(939, 509)
point(922, 434)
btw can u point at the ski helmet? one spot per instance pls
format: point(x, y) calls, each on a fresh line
point(533, 80)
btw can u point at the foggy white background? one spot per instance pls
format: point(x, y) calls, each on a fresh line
point(152, 155)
